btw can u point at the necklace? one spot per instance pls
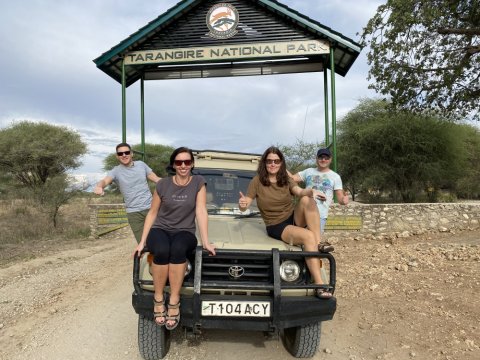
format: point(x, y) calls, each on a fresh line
point(179, 183)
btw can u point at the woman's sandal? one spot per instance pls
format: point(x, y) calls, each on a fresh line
point(175, 318)
point(322, 293)
point(159, 314)
point(325, 247)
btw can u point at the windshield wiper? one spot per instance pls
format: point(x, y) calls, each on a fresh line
point(249, 215)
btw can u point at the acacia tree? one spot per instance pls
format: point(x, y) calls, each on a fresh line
point(38, 156)
point(425, 54)
point(399, 153)
point(35, 152)
point(300, 155)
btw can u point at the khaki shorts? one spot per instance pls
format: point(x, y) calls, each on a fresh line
point(136, 221)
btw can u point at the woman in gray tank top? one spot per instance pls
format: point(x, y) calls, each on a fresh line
point(169, 232)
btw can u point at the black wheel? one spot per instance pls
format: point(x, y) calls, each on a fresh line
point(302, 341)
point(153, 340)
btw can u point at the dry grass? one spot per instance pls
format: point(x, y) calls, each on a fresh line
point(27, 232)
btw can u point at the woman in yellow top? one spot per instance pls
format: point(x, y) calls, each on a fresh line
point(294, 224)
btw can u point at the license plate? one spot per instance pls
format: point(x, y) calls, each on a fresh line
point(236, 308)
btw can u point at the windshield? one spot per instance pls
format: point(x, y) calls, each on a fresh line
point(223, 187)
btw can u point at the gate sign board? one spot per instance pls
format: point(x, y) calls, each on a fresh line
point(228, 53)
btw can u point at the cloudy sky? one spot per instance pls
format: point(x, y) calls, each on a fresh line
point(47, 74)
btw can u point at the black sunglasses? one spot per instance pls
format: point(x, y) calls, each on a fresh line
point(180, 162)
point(273, 161)
point(121, 153)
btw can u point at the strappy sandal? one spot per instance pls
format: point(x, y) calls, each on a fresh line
point(325, 247)
point(175, 318)
point(322, 293)
point(159, 314)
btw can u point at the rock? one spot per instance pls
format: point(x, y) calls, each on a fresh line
point(327, 351)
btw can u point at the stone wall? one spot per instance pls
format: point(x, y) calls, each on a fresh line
point(402, 220)
point(384, 220)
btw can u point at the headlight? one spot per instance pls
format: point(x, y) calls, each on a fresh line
point(289, 271)
point(188, 268)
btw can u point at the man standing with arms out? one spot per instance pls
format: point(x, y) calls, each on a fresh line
point(326, 180)
point(131, 178)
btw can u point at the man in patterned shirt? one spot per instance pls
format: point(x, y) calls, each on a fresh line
point(326, 180)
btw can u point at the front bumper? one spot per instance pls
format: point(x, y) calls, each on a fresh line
point(287, 309)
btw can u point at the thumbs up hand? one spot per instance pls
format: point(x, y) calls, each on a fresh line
point(243, 201)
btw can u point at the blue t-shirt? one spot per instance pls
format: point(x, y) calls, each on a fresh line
point(132, 181)
point(327, 182)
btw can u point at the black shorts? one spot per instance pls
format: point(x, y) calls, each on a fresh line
point(275, 231)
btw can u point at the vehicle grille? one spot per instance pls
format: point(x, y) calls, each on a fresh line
point(232, 268)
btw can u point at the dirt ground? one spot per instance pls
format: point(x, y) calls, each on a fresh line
point(411, 298)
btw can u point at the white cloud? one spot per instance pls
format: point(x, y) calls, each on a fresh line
point(47, 74)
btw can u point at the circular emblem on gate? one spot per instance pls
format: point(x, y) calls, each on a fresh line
point(236, 271)
point(222, 20)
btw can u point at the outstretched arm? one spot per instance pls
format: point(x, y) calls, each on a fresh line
point(295, 177)
point(153, 177)
point(107, 180)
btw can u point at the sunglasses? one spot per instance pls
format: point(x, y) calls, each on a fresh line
point(273, 161)
point(121, 153)
point(324, 157)
point(180, 162)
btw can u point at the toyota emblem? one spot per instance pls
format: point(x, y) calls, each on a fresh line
point(236, 271)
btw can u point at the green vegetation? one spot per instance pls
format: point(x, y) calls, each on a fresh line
point(34, 164)
point(425, 55)
point(33, 153)
point(400, 156)
point(300, 155)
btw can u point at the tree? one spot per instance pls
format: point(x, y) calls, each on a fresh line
point(425, 55)
point(157, 157)
point(468, 184)
point(398, 153)
point(35, 152)
point(300, 155)
point(52, 195)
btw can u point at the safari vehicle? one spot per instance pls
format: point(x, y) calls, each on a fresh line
point(254, 282)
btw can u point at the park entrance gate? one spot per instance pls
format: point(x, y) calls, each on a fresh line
point(210, 38)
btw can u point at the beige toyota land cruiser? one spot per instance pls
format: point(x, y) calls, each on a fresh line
point(254, 282)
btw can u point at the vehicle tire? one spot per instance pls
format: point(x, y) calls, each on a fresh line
point(153, 340)
point(302, 341)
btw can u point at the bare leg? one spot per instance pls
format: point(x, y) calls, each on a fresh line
point(300, 236)
point(306, 214)
point(176, 274)
point(159, 274)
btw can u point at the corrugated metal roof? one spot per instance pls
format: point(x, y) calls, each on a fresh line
point(346, 50)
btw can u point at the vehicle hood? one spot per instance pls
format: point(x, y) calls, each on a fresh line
point(228, 232)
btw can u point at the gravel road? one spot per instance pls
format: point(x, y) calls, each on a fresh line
point(410, 298)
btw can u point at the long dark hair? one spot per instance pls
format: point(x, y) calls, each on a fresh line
point(282, 176)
